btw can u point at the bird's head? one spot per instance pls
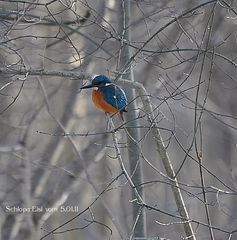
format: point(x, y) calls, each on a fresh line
point(98, 81)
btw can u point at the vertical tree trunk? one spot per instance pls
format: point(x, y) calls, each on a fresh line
point(132, 125)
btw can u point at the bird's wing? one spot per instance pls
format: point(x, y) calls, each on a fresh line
point(115, 96)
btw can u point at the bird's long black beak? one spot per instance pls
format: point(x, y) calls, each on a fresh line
point(87, 86)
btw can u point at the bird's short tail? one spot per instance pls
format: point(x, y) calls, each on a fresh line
point(121, 114)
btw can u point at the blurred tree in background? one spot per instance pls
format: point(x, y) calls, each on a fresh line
point(69, 172)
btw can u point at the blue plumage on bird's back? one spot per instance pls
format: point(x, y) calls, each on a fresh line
point(115, 96)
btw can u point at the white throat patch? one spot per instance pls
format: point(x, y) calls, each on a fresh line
point(108, 84)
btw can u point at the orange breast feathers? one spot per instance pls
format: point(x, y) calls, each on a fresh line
point(99, 101)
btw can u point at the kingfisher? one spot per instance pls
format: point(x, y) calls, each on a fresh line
point(107, 96)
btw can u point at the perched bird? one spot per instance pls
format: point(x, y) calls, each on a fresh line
point(107, 96)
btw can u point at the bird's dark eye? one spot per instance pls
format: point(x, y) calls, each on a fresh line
point(101, 84)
